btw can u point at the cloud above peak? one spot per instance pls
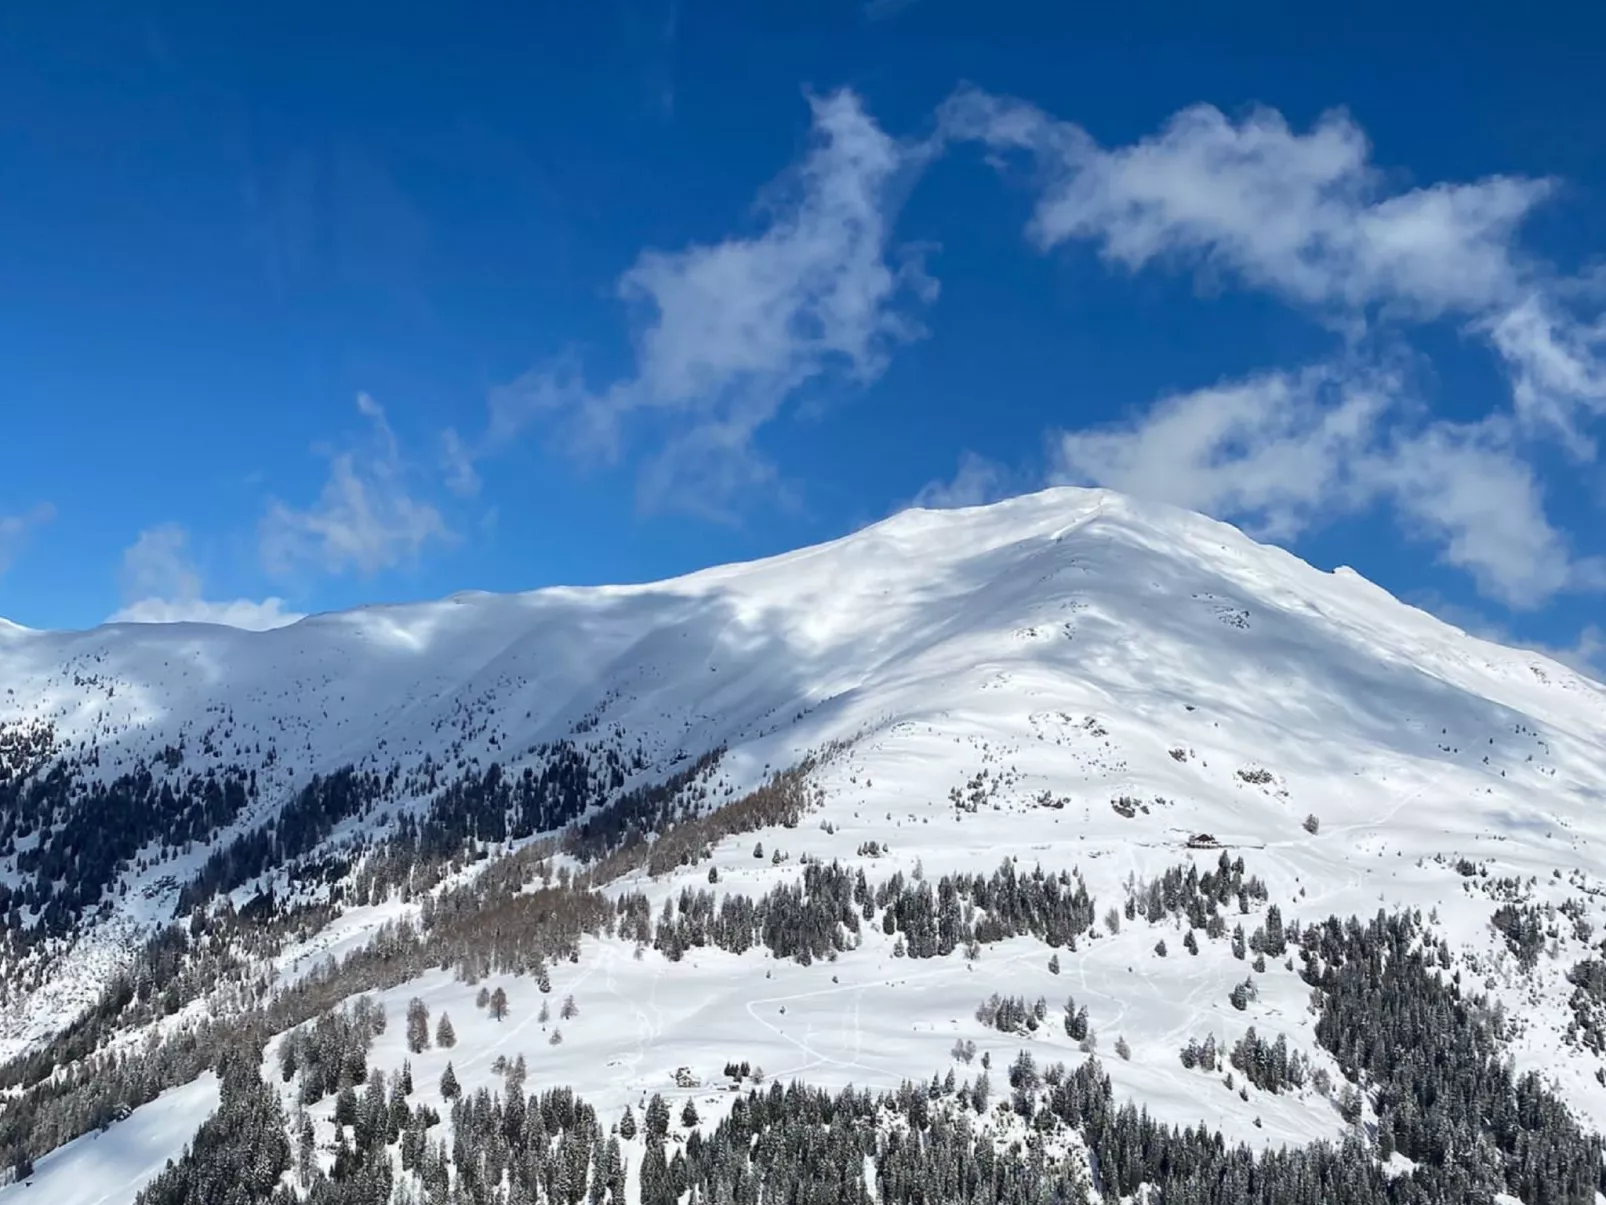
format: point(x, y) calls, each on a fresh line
point(369, 515)
point(1272, 451)
point(1307, 217)
point(15, 531)
point(726, 334)
point(161, 583)
point(729, 336)
point(249, 614)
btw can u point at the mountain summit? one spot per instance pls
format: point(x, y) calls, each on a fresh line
point(1071, 679)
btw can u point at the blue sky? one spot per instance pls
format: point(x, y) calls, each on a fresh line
point(324, 305)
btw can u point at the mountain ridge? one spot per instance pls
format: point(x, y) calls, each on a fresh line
point(1112, 693)
point(1082, 595)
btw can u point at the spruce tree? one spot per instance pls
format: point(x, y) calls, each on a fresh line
point(417, 1025)
point(346, 1106)
point(657, 1117)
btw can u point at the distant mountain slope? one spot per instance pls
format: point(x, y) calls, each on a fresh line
point(1239, 684)
point(1071, 682)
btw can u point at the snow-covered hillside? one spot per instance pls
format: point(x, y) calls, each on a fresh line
point(110, 1168)
point(1071, 679)
point(995, 619)
point(1012, 626)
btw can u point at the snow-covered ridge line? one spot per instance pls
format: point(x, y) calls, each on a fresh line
point(1074, 647)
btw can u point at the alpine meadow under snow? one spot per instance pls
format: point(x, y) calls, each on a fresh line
point(840, 818)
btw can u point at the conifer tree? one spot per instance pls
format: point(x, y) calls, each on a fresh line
point(417, 1025)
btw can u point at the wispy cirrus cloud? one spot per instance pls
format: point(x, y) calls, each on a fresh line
point(976, 482)
point(17, 529)
point(369, 516)
point(1557, 364)
point(728, 333)
point(1463, 487)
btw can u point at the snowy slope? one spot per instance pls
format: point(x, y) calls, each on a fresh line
point(932, 632)
point(1065, 599)
point(1072, 647)
point(109, 1168)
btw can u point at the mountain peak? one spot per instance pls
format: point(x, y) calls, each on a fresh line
point(1070, 678)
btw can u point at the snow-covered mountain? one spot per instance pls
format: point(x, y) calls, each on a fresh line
point(996, 617)
point(1071, 679)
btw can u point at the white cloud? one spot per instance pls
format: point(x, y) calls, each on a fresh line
point(238, 613)
point(158, 565)
point(1557, 366)
point(462, 478)
point(161, 584)
point(15, 531)
point(1281, 452)
point(556, 388)
point(1587, 654)
point(729, 332)
point(1271, 451)
point(1464, 487)
point(1308, 217)
point(366, 517)
point(976, 482)
point(1301, 214)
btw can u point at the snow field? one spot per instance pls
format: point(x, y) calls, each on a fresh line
point(110, 1167)
point(1072, 645)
